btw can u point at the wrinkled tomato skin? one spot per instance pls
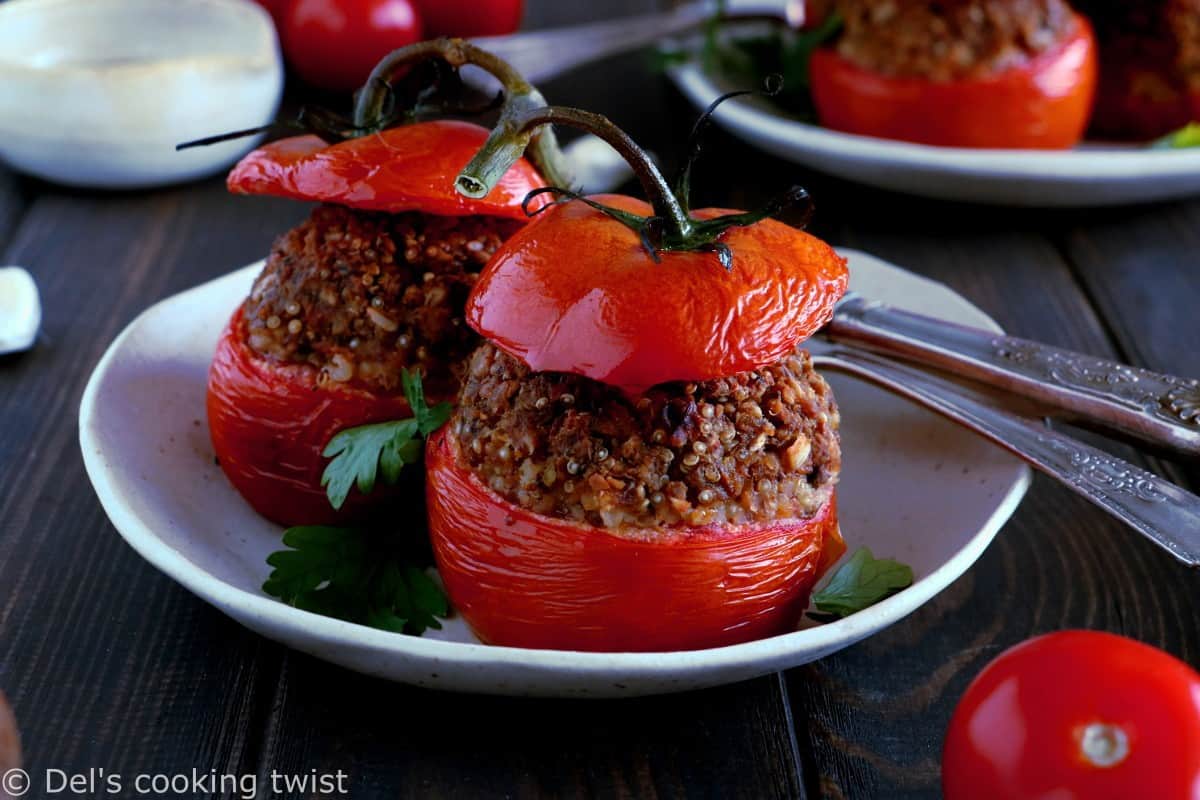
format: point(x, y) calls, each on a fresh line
point(269, 423)
point(334, 44)
point(577, 292)
point(1042, 105)
point(525, 580)
point(409, 168)
point(470, 18)
point(1015, 733)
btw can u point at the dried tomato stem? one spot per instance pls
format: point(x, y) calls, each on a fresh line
point(510, 136)
point(519, 95)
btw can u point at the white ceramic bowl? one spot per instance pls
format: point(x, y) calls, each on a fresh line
point(98, 93)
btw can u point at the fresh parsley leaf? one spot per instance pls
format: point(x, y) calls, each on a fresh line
point(361, 454)
point(358, 576)
point(428, 419)
point(358, 453)
point(861, 582)
point(1187, 136)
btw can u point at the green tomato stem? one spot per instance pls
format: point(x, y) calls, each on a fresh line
point(519, 96)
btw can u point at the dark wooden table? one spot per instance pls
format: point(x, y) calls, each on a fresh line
point(111, 665)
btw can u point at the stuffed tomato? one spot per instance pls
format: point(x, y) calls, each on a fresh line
point(1019, 75)
point(565, 516)
point(372, 283)
point(642, 457)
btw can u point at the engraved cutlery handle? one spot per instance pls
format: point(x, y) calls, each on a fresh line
point(1158, 509)
point(1160, 409)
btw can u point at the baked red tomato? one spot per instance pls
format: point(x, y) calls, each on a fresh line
point(577, 292)
point(634, 295)
point(269, 420)
point(468, 18)
point(1077, 715)
point(410, 168)
point(526, 580)
point(1043, 104)
point(269, 423)
point(334, 44)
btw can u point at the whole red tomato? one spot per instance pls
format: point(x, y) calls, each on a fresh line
point(334, 44)
point(467, 18)
point(1077, 715)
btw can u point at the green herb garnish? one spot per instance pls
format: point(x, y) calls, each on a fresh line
point(861, 582)
point(360, 454)
point(1187, 136)
point(357, 576)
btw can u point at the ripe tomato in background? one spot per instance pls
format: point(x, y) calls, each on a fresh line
point(467, 18)
point(1077, 715)
point(334, 44)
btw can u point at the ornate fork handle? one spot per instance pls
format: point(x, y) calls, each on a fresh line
point(1158, 509)
point(1160, 409)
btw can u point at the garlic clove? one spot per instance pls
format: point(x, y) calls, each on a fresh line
point(20, 310)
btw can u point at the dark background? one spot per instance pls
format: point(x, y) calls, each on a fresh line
point(110, 664)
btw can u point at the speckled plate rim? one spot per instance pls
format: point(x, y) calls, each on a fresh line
point(574, 673)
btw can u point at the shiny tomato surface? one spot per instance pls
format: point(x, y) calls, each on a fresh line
point(1077, 715)
point(577, 292)
point(468, 18)
point(1044, 104)
point(409, 168)
point(269, 423)
point(526, 580)
point(334, 44)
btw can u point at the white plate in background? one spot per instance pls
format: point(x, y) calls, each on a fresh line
point(1091, 175)
point(914, 487)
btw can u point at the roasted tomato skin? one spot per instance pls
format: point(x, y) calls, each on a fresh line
point(577, 292)
point(1042, 105)
point(269, 423)
point(1019, 730)
point(525, 580)
point(409, 168)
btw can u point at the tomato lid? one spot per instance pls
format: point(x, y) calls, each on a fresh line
point(577, 291)
point(408, 168)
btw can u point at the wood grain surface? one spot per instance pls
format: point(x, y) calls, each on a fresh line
point(109, 664)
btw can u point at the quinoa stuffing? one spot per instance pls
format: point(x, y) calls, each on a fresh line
point(360, 295)
point(951, 39)
point(757, 446)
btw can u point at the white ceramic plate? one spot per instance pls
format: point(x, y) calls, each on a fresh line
point(914, 487)
point(1093, 175)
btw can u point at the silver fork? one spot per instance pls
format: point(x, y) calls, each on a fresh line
point(1162, 410)
point(1164, 513)
point(541, 55)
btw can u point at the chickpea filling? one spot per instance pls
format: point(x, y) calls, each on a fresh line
point(754, 447)
point(949, 40)
point(359, 295)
